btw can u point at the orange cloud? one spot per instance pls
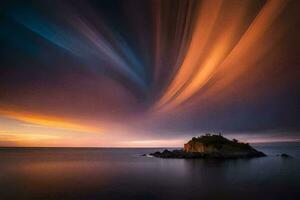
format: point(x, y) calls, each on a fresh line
point(47, 121)
point(224, 52)
point(13, 136)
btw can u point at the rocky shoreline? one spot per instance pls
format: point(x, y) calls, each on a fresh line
point(182, 154)
point(212, 146)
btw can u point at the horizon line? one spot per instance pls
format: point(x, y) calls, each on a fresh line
point(127, 147)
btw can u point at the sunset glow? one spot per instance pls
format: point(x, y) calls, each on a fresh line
point(145, 73)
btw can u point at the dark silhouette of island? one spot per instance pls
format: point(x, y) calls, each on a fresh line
point(284, 155)
point(212, 146)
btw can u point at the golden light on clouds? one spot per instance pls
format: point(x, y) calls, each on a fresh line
point(16, 137)
point(180, 68)
point(48, 122)
point(229, 53)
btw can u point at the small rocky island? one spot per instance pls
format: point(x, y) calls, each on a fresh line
point(212, 146)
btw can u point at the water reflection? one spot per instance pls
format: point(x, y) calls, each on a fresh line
point(122, 174)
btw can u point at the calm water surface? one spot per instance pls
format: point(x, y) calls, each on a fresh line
point(100, 173)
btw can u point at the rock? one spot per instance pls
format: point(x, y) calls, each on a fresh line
point(284, 155)
point(212, 146)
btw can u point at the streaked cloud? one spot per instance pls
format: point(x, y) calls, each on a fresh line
point(148, 73)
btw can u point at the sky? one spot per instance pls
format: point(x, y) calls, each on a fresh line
point(148, 73)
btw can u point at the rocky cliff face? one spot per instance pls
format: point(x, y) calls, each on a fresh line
point(205, 144)
point(197, 147)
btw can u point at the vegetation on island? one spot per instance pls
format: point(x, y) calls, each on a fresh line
point(217, 142)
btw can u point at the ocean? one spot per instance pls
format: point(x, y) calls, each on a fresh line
point(122, 173)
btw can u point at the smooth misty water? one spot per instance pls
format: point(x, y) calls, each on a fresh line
point(123, 174)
